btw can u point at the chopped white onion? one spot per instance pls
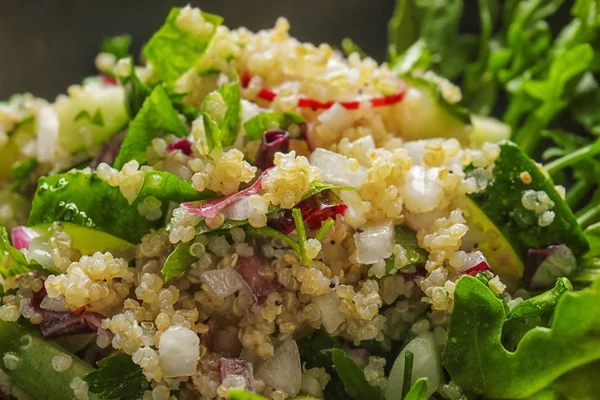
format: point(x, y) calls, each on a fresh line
point(354, 215)
point(335, 168)
point(47, 133)
point(179, 351)
point(336, 117)
point(54, 304)
point(426, 364)
point(418, 221)
point(240, 210)
point(422, 190)
point(283, 371)
point(473, 259)
point(416, 150)
point(222, 282)
point(250, 110)
point(374, 242)
point(331, 315)
point(311, 386)
point(39, 251)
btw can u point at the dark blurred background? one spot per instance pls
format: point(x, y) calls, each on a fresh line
point(47, 45)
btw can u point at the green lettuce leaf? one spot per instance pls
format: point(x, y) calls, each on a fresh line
point(417, 56)
point(117, 45)
point(353, 377)
point(12, 261)
point(178, 261)
point(478, 362)
point(117, 377)
point(74, 197)
point(236, 394)
point(156, 118)
point(172, 50)
point(256, 126)
point(541, 304)
point(136, 91)
point(23, 171)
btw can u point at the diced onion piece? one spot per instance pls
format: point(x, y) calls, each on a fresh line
point(179, 351)
point(426, 364)
point(418, 221)
point(240, 210)
point(283, 371)
point(336, 117)
point(54, 304)
point(331, 315)
point(476, 262)
point(222, 282)
point(422, 190)
point(236, 366)
point(354, 215)
point(21, 237)
point(374, 242)
point(335, 168)
point(311, 386)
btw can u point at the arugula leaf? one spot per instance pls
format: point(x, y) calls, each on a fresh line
point(136, 91)
point(437, 23)
point(117, 377)
point(22, 173)
point(178, 261)
point(565, 67)
point(96, 119)
point(542, 303)
point(418, 391)
point(477, 361)
point(156, 118)
point(353, 377)
point(117, 45)
point(256, 126)
point(74, 197)
point(349, 47)
point(176, 46)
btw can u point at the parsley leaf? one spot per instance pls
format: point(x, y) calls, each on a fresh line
point(222, 129)
point(353, 378)
point(256, 126)
point(178, 261)
point(117, 377)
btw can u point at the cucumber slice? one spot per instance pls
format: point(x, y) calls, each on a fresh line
point(11, 152)
point(500, 206)
point(424, 113)
point(486, 129)
point(80, 126)
point(88, 240)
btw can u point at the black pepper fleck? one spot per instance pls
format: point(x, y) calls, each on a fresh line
point(360, 230)
point(278, 303)
point(332, 285)
point(332, 242)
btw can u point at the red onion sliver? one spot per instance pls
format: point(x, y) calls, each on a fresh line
point(21, 237)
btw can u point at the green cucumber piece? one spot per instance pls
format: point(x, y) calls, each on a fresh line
point(78, 132)
point(88, 240)
point(33, 371)
point(424, 113)
point(486, 129)
point(501, 203)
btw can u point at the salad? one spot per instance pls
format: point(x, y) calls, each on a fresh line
point(241, 215)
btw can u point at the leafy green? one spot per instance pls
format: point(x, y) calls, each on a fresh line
point(501, 202)
point(418, 391)
point(236, 394)
point(96, 119)
point(136, 91)
point(301, 233)
point(178, 261)
point(74, 197)
point(175, 47)
point(117, 377)
point(156, 118)
point(349, 46)
point(436, 23)
point(117, 45)
point(415, 255)
point(592, 235)
point(256, 126)
point(222, 131)
point(23, 171)
point(542, 303)
point(417, 56)
point(477, 361)
point(353, 377)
